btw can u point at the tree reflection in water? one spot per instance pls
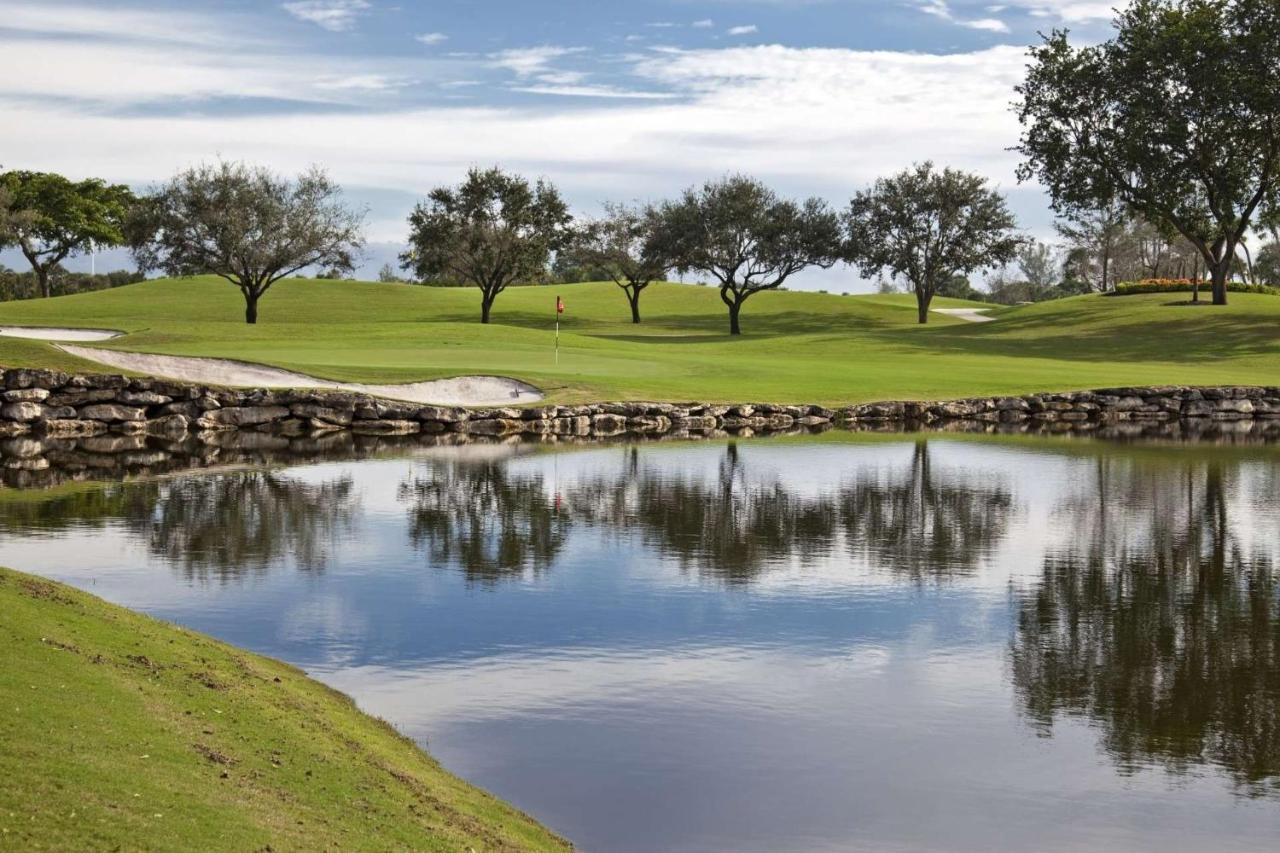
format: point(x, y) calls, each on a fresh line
point(220, 527)
point(491, 522)
point(1161, 626)
point(733, 526)
point(226, 526)
point(923, 524)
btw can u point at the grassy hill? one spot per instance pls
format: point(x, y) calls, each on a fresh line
point(796, 347)
point(122, 732)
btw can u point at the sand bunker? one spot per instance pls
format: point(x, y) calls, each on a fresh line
point(459, 391)
point(42, 333)
point(973, 315)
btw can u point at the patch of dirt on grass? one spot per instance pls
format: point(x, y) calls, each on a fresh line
point(213, 755)
point(44, 591)
point(209, 680)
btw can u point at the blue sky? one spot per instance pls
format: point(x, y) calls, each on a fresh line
point(626, 101)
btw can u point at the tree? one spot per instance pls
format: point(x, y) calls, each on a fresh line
point(1097, 232)
point(928, 227)
point(740, 233)
point(1038, 263)
point(51, 218)
point(1266, 266)
point(247, 225)
point(492, 231)
point(622, 245)
point(1177, 117)
point(387, 275)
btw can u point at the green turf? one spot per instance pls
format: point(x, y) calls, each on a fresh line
point(122, 732)
point(798, 347)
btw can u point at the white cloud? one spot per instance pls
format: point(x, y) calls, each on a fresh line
point(74, 20)
point(1072, 11)
point(942, 9)
point(333, 15)
point(744, 30)
point(431, 38)
point(704, 24)
point(527, 61)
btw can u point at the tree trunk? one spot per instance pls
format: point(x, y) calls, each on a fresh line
point(634, 299)
point(250, 308)
point(1220, 272)
point(734, 327)
point(922, 306)
point(42, 276)
point(486, 302)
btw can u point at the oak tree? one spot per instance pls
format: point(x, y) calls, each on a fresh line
point(928, 226)
point(247, 225)
point(493, 230)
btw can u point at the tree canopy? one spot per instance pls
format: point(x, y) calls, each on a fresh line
point(1177, 117)
point(929, 226)
point(740, 233)
point(492, 231)
point(51, 218)
point(623, 244)
point(247, 225)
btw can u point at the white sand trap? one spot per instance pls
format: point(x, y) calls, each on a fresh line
point(973, 315)
point(42, 333)
point(459, 391)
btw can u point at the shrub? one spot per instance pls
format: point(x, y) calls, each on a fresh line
point(1184, 285)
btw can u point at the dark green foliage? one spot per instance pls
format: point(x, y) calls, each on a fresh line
point(740, 233)
point(492, 231)
point(247, 225)
point(625, 247)
point(26, 285)
point(1177, 118)
point(928, 227)
point(51, 218)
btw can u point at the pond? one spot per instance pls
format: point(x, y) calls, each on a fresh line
point(843, 642)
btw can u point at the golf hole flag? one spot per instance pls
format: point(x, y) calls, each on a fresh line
point(559, 311)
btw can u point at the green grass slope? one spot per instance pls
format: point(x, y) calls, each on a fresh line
point(122, 732)
point(798, 347)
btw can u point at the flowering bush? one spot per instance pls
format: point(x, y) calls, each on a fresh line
point(1185, 285)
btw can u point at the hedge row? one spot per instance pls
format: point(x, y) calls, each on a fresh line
point(1182, 285)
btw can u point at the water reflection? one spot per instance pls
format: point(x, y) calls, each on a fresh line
point(1161, 623)
point(484, 518)
point(220, 527)
point(695, 646)
point(923, 524)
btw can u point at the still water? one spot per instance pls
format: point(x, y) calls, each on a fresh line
point(909, 642)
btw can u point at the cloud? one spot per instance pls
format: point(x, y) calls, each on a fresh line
point(592, 92)
point(704, 24)
point(527, 61)
point(95, 23)
point(333, 15)
point(942, 9)
point(431, 38)
point(1072, 11)
point(744, 30)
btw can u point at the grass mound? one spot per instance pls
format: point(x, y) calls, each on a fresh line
point(122, 732)
point(797, 347)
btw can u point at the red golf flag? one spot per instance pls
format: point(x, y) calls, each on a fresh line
point(559, 305)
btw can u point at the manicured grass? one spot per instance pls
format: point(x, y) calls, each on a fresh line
point(122, 732)
point(798, 347)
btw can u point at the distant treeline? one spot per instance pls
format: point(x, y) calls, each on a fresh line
point(16, 285)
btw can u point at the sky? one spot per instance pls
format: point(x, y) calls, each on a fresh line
point(611, 101)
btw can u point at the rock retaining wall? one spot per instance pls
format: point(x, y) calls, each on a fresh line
point(59, 405)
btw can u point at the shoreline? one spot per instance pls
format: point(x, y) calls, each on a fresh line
point(123, 729)
point(52, 404)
